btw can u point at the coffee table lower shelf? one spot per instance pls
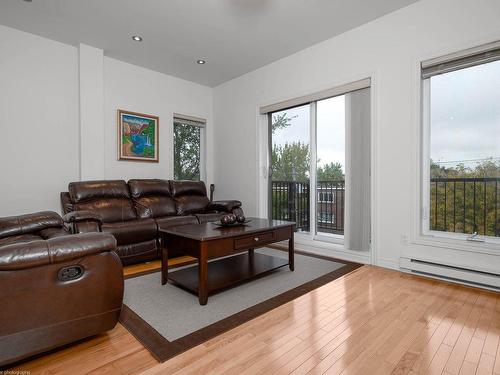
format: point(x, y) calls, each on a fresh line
point(227, 272)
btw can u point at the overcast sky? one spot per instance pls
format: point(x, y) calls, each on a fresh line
point(330, 133)
point(465, 119)
point(465, 114)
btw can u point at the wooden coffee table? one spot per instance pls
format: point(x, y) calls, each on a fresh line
point(208, 241)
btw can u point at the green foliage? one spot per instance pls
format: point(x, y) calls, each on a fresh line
point(290, 162)
point(464, 205)
point(281, 121)
point(487, 168)
point(186, 152)
point(330, 172)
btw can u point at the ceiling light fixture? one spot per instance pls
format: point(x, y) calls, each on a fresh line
point(137, 38)
point(201, 62)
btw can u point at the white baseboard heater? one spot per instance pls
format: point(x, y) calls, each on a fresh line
point(455, 274)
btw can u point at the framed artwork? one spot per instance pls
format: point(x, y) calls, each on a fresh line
point(137, 136)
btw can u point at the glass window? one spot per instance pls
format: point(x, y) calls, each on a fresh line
point(188, 150)
point(463, 157)
point(330, 163)
point(290, 167)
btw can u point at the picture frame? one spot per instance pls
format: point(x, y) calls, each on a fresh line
point(138, 136)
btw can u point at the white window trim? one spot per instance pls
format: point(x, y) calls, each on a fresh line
point(420, 232)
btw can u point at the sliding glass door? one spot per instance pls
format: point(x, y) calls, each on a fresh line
point(320, 167)
point(306, 141)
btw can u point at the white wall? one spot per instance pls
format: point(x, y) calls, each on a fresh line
point(38, 121)
point(388, 49)
point(39, 114)
point(91, 79)
point(47, 134)
point(136, 89)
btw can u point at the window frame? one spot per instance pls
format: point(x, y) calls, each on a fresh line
point(427, 236)
point(201, 124)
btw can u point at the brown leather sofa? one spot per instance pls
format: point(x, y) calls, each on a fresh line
point(56, 288)
point(133, 212)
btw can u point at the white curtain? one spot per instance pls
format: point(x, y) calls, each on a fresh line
point(357, 214)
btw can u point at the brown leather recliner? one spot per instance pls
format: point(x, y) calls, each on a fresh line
point(56, 288)
point(133, 212)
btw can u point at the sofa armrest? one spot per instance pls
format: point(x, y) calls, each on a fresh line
point(79, 216)
point(223, 206)
point(83, 221)
point(55, 250)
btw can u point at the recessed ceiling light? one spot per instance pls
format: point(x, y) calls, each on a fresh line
point(201, 62)
point(137, 38)
point(28, 1)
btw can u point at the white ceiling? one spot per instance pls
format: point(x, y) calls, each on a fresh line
point(233, 36)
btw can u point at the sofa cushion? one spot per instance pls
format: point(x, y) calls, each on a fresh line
point(29, 223)
point(100, 189)
point(133, 231)
point(172, 221)
point(21, 238)
point(191, 204)
point(151, 186)
point(154, 206)
point(110, 210)
point(190, 196)
point(152, 198)
point(181, 188)
point(110, 199)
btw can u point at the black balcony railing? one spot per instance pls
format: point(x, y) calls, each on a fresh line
point(291, 201)
point(460, 205)
point(465, 205)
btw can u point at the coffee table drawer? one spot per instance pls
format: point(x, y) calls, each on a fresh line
point(255, 240)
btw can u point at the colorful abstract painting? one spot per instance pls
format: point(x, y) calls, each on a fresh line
point(138, 136)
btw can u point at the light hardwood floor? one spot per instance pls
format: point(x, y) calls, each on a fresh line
point(371, 321)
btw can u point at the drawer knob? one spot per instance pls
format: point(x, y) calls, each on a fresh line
point(256, 238)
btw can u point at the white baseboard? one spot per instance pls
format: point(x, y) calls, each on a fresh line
point(342, 255)
point(332, 252)
point(388, 263)
point(451, 273)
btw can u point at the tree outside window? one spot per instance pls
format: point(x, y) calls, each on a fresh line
point(187, 151)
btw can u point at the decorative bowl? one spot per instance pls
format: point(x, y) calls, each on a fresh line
point(219, 224)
